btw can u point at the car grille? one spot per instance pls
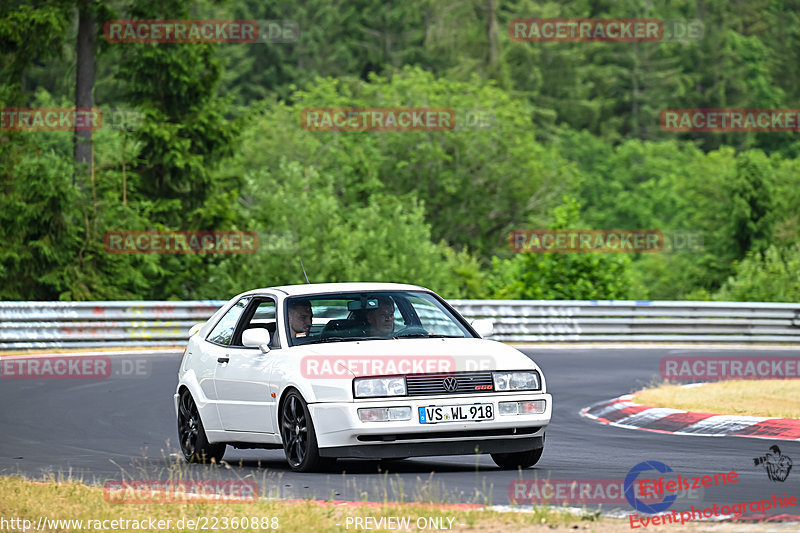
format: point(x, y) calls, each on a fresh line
point(437, 384)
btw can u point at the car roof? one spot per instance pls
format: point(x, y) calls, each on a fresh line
point(326, 288)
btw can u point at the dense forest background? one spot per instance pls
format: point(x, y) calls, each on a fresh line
point(573, 142)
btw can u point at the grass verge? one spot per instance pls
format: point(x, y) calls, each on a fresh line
point(72, 500)
point(778, 398)
point(23, 500)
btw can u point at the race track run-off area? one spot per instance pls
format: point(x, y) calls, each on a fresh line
point(122, 426)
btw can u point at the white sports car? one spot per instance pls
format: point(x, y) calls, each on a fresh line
point(359, 370)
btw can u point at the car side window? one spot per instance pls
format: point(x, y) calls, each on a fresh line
point(223, 331)
point(263, 316)
point(264, 312)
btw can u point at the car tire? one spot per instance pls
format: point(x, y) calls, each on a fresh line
point(511, 461)
point(298, 435)
point(192, 434)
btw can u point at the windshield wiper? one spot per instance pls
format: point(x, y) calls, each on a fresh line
point(344, 339)
point(427, 336)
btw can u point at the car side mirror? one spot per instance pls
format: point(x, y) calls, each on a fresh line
point(194, 329)
point(483, 326)
point(256, 338)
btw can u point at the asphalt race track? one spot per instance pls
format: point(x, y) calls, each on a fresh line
point(123, 427)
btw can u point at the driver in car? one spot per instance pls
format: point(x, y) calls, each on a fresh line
point(300, 315)
point(380, 321)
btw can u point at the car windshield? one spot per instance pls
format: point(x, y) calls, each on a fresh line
point(354, 316)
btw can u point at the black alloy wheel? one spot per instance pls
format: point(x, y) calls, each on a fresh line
point(298, 436)
point(192, 435)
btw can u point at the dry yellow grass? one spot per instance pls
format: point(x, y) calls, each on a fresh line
point(70, 500)
point(778, 398)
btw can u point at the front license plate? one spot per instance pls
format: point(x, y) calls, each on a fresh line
point(435, 414)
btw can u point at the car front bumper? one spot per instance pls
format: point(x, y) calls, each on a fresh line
point(341, 433)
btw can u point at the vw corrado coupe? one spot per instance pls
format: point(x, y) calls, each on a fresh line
point(356, 370)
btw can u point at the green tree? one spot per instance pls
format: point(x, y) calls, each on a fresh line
point(28, 34)
point(769, 276)
point(476, 184)
point(562, 276)
point(753, 202)
point(387, 239)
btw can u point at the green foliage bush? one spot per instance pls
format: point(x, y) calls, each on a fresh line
point(769, 276)
point(571, 141)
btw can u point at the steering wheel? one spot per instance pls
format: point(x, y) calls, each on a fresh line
point(410, 330)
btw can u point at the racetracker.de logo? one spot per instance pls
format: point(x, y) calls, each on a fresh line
point(586, 240)
point(378, 119)
point(180, 242)
point(474, 119)
point(122, 119)
point(711, 368)
point(148, 491)
point(55, 367)
point(724, 120)
point(181, 31)
point(586, 29)
point(50, 119)
point(201, 31)
point(345, 366)
point(580, 491)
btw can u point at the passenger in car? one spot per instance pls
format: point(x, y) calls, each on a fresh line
point(299, 315)
point(380, 321)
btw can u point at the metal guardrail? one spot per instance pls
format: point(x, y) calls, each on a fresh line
point(637, 321)
point(148, 323)
point(84, 324)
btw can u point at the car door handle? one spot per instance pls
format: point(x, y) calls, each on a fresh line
point(223, 359)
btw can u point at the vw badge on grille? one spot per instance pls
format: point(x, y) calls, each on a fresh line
point(450, 384)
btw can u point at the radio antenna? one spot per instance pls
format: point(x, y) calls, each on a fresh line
point(304, 271)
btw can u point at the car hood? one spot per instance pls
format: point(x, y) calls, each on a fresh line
point(411, 356)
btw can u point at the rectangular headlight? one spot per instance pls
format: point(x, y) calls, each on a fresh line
point(511, 381)
point(376, 387)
